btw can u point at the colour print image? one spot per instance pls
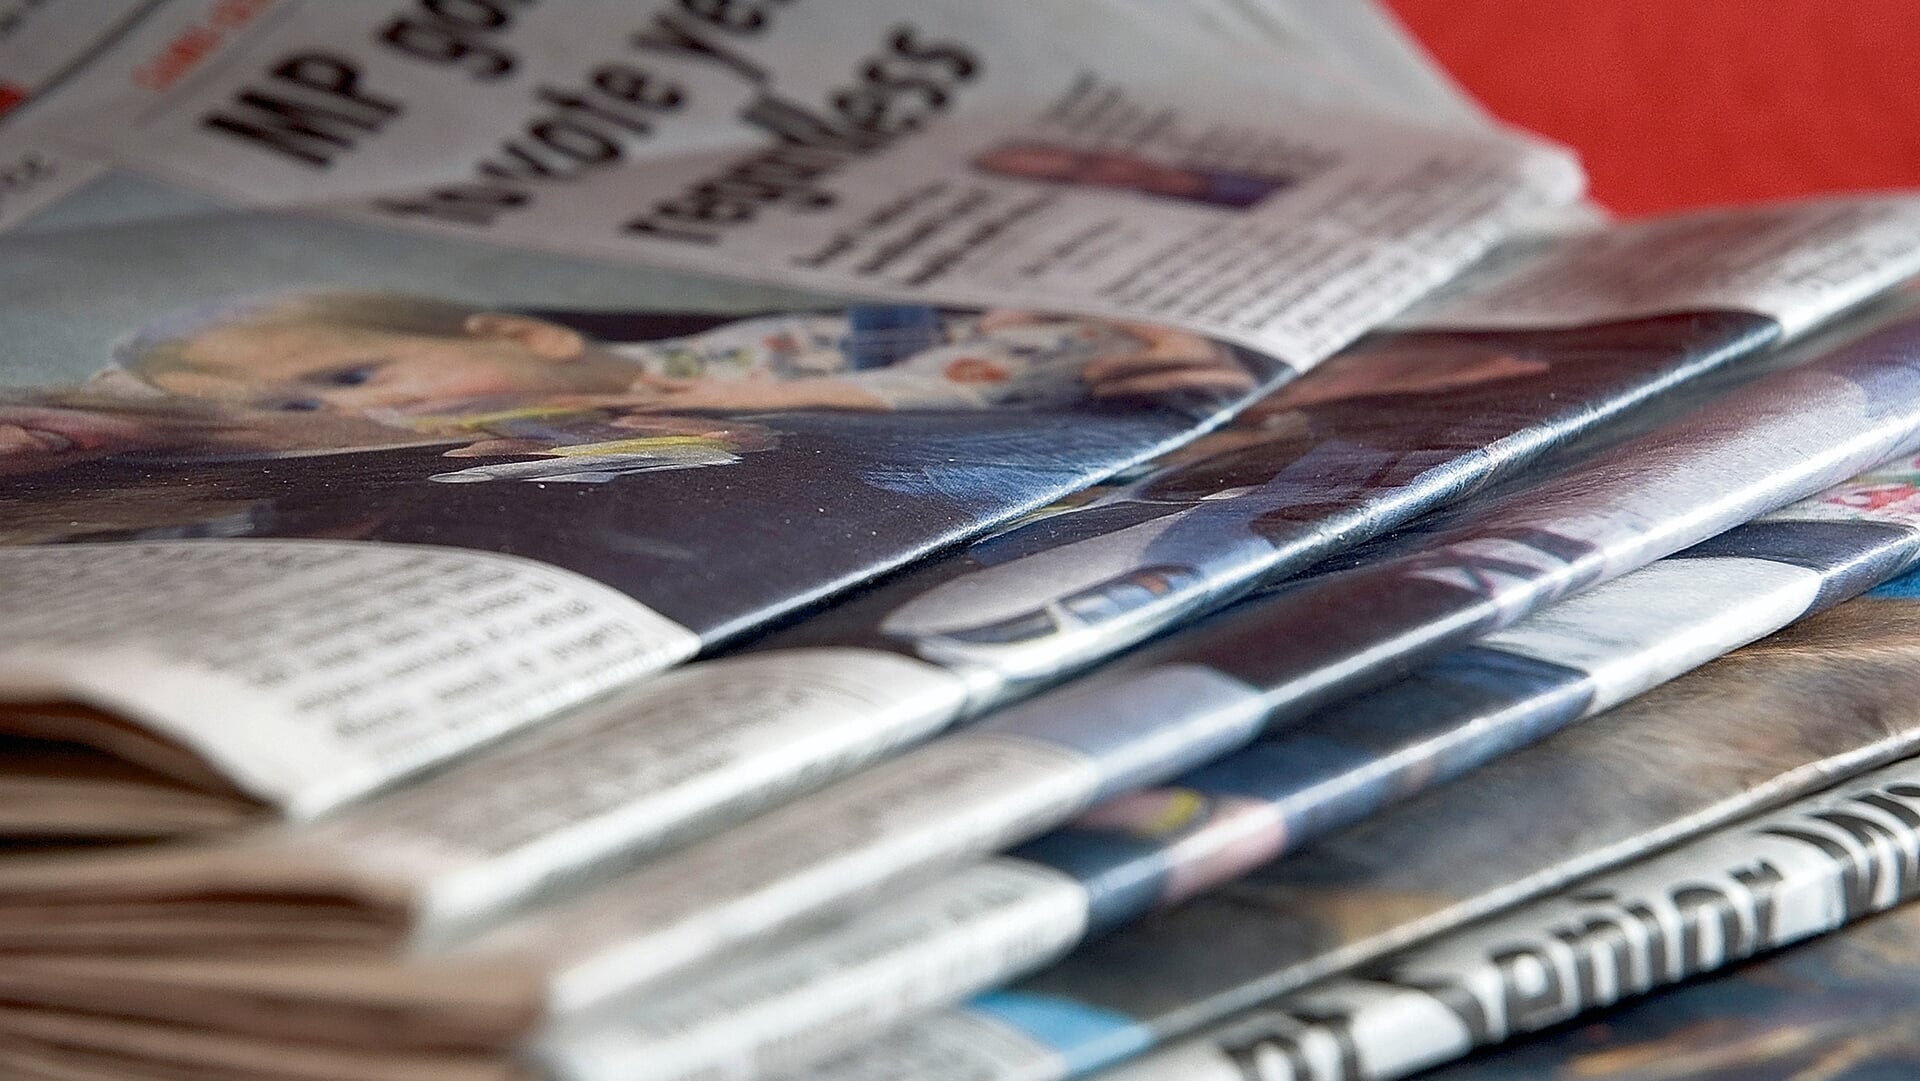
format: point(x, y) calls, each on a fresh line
point(609, 392)
point(653, 450)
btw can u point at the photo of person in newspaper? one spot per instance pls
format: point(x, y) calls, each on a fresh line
point(331, 413)
point(612, 393)
point(415, 355)
point(113, 413)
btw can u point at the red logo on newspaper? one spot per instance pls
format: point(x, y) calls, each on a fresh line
point(192, 45)
point(11, 96)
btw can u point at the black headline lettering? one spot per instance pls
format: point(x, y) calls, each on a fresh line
point(1712, 923)
point(895, 93)
point(309, 109)
point(590, 127)
point(688, 35)
point(739, 16)
point(462, 33)
point(586, 129)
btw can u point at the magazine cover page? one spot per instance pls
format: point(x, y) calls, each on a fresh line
point(1821, 700)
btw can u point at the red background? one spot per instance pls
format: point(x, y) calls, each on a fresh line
point(1677, 103)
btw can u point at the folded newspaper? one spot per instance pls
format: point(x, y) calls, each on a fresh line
point(409, 866)
point(1794, 713)
point(1067, 232)
point(1350, 53)
point(1155, 847)
point(1578, 656)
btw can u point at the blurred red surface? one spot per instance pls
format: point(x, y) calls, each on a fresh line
point(1677, 103)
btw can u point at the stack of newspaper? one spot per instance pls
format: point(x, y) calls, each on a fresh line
point(730, 539)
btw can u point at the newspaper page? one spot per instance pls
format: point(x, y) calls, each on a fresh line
point(1789, 715)
point(420, 652)
point(1031, 767)
point(1817, 865)
point(1158, 846)
point(910, 149)
point(38, 50)
point(48, 45)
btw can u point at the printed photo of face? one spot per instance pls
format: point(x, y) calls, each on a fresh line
point(314, 365)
